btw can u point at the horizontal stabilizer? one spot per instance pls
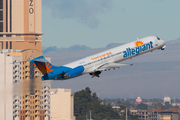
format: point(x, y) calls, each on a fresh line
point(111, 65)
point(39, 59)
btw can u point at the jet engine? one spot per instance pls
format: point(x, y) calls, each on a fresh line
point(74, 72)
point(95, 74)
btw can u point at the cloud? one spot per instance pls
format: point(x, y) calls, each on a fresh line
point(84, 11)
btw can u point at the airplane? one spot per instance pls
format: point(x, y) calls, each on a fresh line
point(99, 62)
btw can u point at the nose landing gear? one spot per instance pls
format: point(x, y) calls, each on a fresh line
point(162, 48)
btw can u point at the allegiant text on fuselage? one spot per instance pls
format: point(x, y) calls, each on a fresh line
point(135, 51)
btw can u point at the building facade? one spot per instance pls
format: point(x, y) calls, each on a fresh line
point(10, 74)
point(21, 91)
point(32, 94)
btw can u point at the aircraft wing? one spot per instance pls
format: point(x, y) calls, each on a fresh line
point(111, 65)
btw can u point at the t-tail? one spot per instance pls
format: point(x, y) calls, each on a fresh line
point(43, 65)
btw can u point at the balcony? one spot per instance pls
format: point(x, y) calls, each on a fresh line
point(36, 71)
point(37, 107)
point(46, 103)
point(46, 88)
point(16, 102)
point(27, 107)
point(16, 68)
point(15, 112)
point(37, 103)
point(15, 72)
point(46, 107)
point(27, 112)
point(27, 77)
point(46, 97)
point(26, 97)
point(27, 73)
point(47, 112)
point(37, 93)
point(37, 97)
point(27, 68)
point(16, 107)
point(36, 112)
point(27, 103)
point(46, 92)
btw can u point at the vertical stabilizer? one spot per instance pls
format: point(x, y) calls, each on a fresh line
point(43, 65)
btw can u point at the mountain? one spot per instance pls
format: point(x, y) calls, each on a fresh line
point(175, 41)
point(50, 49)
point(71, 48)
point(78, 47)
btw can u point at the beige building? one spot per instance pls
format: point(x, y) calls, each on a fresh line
point(62, 104)
point(20, 24)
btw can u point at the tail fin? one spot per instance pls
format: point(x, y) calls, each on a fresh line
point(43, 65)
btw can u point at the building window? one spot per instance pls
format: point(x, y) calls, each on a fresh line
point(6, 15)
point(1, 15)
point(2, 45)
point(6, 44)
point(1, 4)
point(8, 35)
point(10, 15)
point(1, 26)
point(10, 44)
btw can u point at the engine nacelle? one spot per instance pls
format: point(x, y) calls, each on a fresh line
point(74, 72)
point(95, 74)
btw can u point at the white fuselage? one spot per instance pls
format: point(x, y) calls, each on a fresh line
point(118, 54)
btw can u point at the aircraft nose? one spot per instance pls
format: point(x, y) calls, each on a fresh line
point(163, 42)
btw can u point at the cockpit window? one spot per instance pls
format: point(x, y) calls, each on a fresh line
point(158, 38)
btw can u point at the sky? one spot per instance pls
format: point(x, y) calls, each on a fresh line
point(96, 23)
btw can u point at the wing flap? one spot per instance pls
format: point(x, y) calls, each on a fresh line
point(111, 65)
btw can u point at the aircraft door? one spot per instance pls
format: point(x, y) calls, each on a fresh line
point(156, 42)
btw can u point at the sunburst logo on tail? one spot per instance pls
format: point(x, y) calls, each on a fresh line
point(44, 67)
point(138, 43)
